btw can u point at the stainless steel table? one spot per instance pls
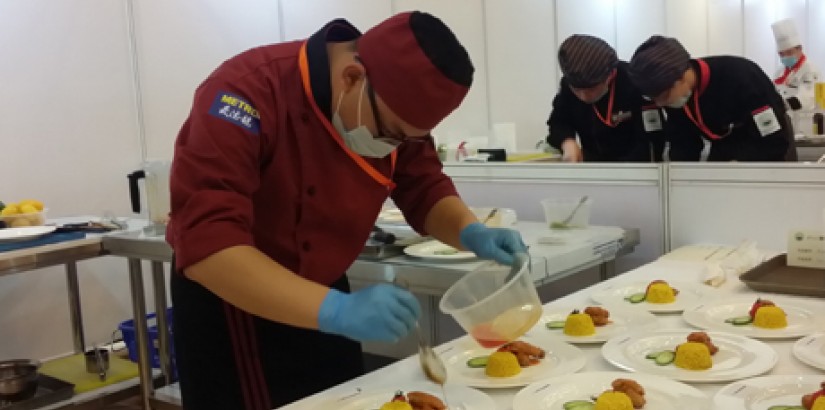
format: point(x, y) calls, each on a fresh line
point(66, 253)
point(136, 247)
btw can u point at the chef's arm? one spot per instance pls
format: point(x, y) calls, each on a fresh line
point(447, 218)
point(560, 132)
point(247, 278)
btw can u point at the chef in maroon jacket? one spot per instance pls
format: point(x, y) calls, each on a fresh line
point(279, 173)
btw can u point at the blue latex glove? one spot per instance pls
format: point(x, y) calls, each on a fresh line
point(499, 244)
point(383, 313)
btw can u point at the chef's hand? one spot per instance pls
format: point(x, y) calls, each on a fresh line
point(571, 152)
point(382, 313)
point(499, 244)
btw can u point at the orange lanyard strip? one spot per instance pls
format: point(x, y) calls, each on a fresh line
point(303, 64)
point(609, 114)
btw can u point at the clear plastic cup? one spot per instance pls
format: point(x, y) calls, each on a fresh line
point(492, 309)
point(558, 211)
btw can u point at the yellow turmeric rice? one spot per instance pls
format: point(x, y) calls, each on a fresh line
point(693, 356)
point(396, 405)
point(770, 317)
point(612, 400)
point(579, 324)
point(502, 364)
point(660, 292)
point(819, 404)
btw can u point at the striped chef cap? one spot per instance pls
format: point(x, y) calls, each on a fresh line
point(586, 60)
point(657, 64)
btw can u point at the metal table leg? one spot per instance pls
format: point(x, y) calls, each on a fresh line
point(159, 282)
point(139, 311)
point(607, 269)
point(75, 315)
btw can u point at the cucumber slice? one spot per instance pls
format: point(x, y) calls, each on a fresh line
point(783, 407)
point(579, 405)
point(652, 355)
point(555, 324)
point(636, 298)
point(665, 358)
point(478, 362)
point(739, 320)
point(576, 403)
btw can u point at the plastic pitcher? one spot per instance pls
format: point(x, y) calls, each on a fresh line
point(495, 304)
point(156, 174)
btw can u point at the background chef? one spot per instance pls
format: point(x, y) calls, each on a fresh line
point(598, 102)
point(719, 108)
point(796, 80)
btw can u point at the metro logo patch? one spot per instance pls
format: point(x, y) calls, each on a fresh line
point(232, 108)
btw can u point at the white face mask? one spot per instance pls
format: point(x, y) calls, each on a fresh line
point(681, 101)
point(360, 139)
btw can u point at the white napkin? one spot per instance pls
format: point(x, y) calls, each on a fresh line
point(714, 275)
point(719, 261)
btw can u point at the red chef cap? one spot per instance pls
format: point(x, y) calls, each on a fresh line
point(417, 66)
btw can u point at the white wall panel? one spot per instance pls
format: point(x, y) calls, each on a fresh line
point(466, 19)
point(594, 17)
point(725, 25)
point(815, 47)
point(759, 43)
point(179, 43)
point(688, 22)
point(796, 10)
point(521, 54)
point(636, 21)
point(301, 18)
point(69, 136)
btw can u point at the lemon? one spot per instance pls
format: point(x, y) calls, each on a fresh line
point(10, 209)
point(33, 202)
point(28, 209)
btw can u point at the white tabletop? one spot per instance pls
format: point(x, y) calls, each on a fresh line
point(408, 372)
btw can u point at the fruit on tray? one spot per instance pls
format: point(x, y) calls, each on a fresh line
point(28, 212)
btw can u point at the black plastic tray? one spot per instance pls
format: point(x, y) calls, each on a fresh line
point(776, 276)
point(49, 391)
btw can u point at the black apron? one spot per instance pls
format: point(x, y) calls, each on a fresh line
point(228, 359)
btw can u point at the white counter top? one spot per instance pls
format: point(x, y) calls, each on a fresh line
point(407, 371)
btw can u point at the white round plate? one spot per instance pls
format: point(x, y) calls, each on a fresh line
point(622, 320)
point(560, 359)
point(689, 295)
point(24, 233)
point(373, 397)
point(661, 393)
point(738, 358)
point(760, 393)
point(711, 315)
point(430, 249)
point(811, 350)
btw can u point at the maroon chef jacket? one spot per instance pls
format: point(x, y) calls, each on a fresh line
point(255, 165)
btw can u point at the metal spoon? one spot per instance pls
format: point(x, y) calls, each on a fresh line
point(431, 364)
point(576, 209)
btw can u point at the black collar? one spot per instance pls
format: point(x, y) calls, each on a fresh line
point(335, 31)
